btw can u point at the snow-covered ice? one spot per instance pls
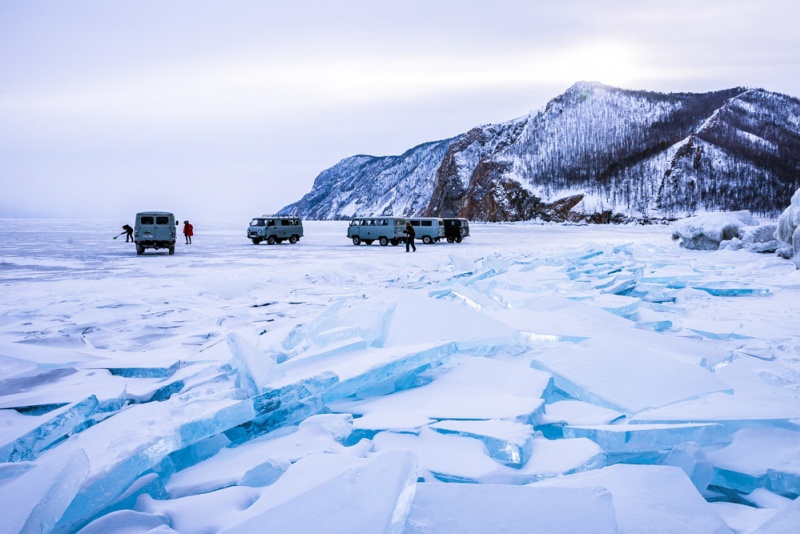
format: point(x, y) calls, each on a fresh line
point(532, 378)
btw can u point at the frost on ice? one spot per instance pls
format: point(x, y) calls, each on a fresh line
point(611, 387)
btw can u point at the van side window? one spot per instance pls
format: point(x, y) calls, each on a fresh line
point(414, 223)
point(147, 220)
point(427, 223)
point(162, 220)
point(271, 222)
point(285, 222)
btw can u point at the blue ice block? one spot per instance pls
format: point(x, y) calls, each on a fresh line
point(729, 289)
point(645, 438)
point(508, 442)
point(50, 428)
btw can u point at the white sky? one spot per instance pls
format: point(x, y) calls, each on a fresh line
point(223, 109)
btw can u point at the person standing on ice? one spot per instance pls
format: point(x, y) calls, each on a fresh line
point(128, 233)
point(188, 232)
point(410, 234)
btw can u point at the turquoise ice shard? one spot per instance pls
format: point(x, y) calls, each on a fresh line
point(49, 428)
point(255, 368)
point(383, 372)
point(647, 438)
point(508, 442)
point(730, 289)
point(689, 456)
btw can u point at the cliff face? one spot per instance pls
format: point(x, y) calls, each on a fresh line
point(594, 153)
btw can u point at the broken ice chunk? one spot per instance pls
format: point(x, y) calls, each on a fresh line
point(448, 458)
point(617, 304)
point(623, 377)
point(648, 438)
point(690, 457)
point(759, 457)
point(476, 509)
point(261, 461)
point(256, 369)
point(35, 435)
point(129, 521)
point(366, 426)
point(733, 411)
point(34, 501)
point(730, 289)
point(469, 388)
point(387, 481)
point(507, 442)
point(572, 412)
point(672, 505)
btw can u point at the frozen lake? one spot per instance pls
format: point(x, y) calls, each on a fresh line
point(601, 377)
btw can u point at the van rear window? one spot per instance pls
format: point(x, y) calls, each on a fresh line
point(162, 220)
point(147, 220)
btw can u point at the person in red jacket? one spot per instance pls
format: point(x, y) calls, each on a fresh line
point(188, 232)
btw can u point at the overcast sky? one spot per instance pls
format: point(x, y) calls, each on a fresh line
point(224, 109)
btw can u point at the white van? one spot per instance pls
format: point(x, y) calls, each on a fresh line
point(429, 229)
point(275, 229)
point(154, 229)
point(384, 230)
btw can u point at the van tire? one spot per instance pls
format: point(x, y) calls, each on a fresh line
point(458, 239)
point(356, 240)
point(271, 240)
point(383, 241)
point(368, 242)
point(256, 241)
point(451, 239)
point(395, 242)
point(139, 250)
point(427, 239)
point(293, 239)
point(172, 250)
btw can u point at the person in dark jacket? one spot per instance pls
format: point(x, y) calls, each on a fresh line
point(188, 232)
point(410, 234)
point(128, 233)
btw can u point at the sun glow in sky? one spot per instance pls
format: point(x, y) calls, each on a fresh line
point(232, 108)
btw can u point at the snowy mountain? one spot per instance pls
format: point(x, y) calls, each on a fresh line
point(594, 153)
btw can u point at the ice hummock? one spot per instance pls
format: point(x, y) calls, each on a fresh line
point(707, 231)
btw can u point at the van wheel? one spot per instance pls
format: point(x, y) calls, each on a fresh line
point(271, 240)
point(256, 241)
point(383, 241)
point(139, 250)
point(368, 241)
point(395, 242)
point(356, 240)
point(293, 239)
point(427, 239)
point(458, 239)
point(450, 239)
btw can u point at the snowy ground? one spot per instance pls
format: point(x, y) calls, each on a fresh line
point(531, 378)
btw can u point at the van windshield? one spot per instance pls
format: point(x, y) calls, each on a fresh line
point(257, 222)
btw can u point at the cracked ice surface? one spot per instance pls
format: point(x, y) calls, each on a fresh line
point(605, 377)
